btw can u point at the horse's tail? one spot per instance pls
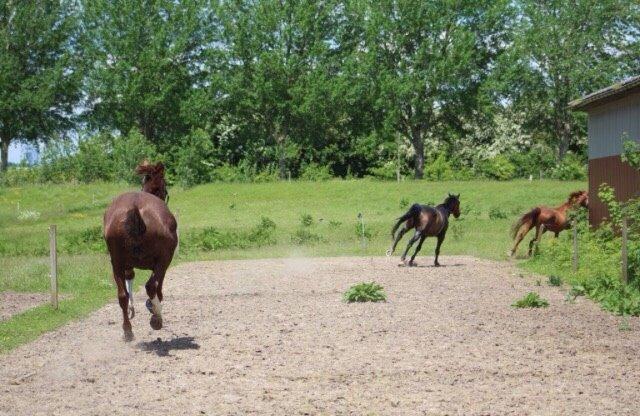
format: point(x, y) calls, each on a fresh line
point(134, 224)
point(529, 219)
point(413, 212)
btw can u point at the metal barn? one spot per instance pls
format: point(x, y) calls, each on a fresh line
point(613, 114)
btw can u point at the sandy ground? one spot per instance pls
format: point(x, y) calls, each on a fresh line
point(12, 303)
point(274, 337)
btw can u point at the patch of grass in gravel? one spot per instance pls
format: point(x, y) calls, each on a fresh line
point(531, 300)
point(365, 292)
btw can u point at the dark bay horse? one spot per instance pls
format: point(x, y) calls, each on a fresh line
point(427, 222)
point(141, 233)
point(546, 219)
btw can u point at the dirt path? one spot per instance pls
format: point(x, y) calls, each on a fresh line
point(273, 337)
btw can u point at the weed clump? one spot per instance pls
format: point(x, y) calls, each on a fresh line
point(531, 300)
point(554, 280)
point(365, 292)
point(210, 238)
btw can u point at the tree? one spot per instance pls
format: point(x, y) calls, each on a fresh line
point(279, 74)
point(39, 80)
point(144, 61)
point(428, 59)
point(560, 51)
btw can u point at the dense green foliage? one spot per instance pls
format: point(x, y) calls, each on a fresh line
point(365, 292)
point(254, 90)
point(531, 300)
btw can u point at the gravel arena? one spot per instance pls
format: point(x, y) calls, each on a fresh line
point(274, 337)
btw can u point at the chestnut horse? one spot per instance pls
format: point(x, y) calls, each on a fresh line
point(547, 219)
point(141, 233)
point(427, 222)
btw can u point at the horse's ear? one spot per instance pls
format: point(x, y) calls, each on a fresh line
point(458, 196)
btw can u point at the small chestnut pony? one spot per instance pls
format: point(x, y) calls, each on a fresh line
point(547, 219)
point(141, 233)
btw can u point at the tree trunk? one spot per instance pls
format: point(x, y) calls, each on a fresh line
point(565, 139)
point(4, 153)
point(281, 140)
point(418, 147)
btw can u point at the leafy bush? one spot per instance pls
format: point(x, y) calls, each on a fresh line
point(92, 159)
point(499, 168)
point(531, 300)
point(57, 162)
point(496, 213)
point(439, 169)
point(306, 220)
point(228, 173)
point(570, 168)
point(386, 171)
point(88, 240)
point(365, 292)
point(315, 172)
point(20, 175)
point(193, 158)
point(266, 175)
point(211, 239)
point(128, 152)
point(554, 281)
point(304, 236)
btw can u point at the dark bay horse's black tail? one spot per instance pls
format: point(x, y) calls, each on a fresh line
point(529, 219)
point(413, 212)
point(134, 224)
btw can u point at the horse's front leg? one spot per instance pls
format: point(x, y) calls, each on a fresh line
point(536, 239)
point(440, 240)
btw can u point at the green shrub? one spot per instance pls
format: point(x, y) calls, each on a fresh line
point(228, 173)
point(496, 213)
point(499, 168)
point(85, 241)
point(20, 175)
point(570, 168)
point(554, 281)
point(365, 292)
point(386, 171)
point(57, 162)
point(211, 239)
point(531, 300)
point(404, 203)
point(128, 152)
point(439, 169)
point(93, 159)
point(194, 156)
point(306, 220)
point(315, 172)
point(304, 236)
point(266, 175)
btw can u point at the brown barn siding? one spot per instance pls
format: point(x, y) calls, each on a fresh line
point(621, 176)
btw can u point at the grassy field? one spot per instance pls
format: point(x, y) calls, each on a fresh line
point(222, 221)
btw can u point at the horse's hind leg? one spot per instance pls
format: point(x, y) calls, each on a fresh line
point(397, 239)
point(519, 237)
point(154, 291)
point(128, 279)
point(413, 239)
point(411, 262)
point(536, 240)
point(123, 300)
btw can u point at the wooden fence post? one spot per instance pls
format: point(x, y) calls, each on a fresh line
point(53, 256)
point(624, 254)
point(575, 245)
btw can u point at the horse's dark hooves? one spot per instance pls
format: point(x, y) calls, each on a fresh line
point(412, 264)
point(149, 305)
point(128, 336)
point(156, 322)
point(436, 264)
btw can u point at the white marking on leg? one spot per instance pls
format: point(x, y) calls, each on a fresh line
point(156, 307)
point(129, 284)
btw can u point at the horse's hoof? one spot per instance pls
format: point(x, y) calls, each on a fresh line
point(412, 264)
point(149, 305)
point(436, 264)
point(128, 336)
point(156, 322)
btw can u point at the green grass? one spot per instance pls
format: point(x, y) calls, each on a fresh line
point(365, 292)
point(531, 300)
point(310, 218)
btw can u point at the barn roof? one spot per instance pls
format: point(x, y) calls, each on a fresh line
point(604, 95)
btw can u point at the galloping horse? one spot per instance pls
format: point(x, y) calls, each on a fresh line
point(141, 232)
point(547, 219)
point(427, 222)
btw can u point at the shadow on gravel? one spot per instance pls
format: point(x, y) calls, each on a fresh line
point(162, 348)
point(442, 266)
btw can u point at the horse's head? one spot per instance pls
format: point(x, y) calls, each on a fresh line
point(453, 204)
point(153, 179)
point(580, 198)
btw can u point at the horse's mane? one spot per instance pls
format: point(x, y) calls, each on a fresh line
point(575, 195)
point(147, 168)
